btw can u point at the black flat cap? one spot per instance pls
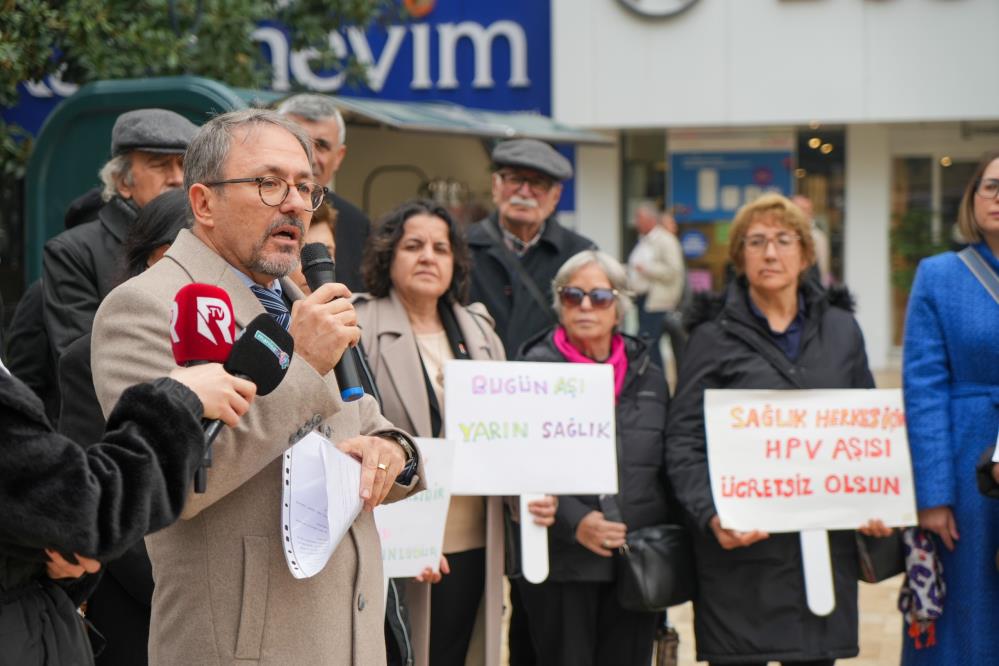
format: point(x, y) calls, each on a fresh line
point(152, 131)
point(532, 154)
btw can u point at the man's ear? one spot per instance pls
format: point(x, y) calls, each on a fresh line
point(124, 190)
point(339, 153)
point(202, 200)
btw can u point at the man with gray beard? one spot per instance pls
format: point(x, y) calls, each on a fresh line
point(224, 594)
point(526, 187)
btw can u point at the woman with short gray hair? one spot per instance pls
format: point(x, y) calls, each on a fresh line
point(575, 615)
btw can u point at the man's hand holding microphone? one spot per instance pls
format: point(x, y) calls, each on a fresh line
point(324, 326)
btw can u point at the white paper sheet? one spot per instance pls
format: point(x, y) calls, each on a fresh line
point(412, 530)
point(320, 502)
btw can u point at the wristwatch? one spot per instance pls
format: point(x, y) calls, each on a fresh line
point(407, 448)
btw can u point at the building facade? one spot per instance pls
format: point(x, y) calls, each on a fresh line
point(877, 110)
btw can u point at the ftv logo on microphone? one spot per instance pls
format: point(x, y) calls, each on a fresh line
point(214, 313)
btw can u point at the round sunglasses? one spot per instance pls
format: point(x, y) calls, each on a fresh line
point(600, 298)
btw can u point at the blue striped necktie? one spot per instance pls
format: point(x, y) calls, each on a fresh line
point(274, 305)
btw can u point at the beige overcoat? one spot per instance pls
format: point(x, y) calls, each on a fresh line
point(395, 362)
point(223, 592)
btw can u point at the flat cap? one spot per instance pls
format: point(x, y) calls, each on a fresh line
point(152, 131)
point(532, 154)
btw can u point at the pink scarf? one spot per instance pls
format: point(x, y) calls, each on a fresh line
point(618, 359)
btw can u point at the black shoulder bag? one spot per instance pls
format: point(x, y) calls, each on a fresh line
point(654, 569)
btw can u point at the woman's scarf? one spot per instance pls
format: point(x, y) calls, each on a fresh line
point(618, 359)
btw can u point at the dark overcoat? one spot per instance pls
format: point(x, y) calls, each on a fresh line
point(750, 604)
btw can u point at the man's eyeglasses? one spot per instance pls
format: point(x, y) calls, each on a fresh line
point(600, 298)
point(988, 189)
point(538, 184)
point(273, 190)
point(757, 243)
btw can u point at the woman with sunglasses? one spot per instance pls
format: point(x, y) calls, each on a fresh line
point(950, 375)
point(771, 329)
point(574, 615)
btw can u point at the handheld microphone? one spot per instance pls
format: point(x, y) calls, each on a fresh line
point(319, 269)
point(262, 355)
point(202, 330)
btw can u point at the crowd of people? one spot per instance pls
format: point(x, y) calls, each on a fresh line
point(103, 431)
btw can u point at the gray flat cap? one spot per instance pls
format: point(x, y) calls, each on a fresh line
point(152, 131)
point(532, 154)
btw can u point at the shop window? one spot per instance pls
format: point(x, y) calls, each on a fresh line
point(926, 195)
point(643, 170)
point(821, 153)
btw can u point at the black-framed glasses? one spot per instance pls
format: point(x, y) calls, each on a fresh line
point(539, 184)
point(987, 188)
point(600, 298)
point(784, 242)
point(273, 190)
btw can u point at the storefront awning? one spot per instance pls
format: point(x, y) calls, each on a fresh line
point(447, 118)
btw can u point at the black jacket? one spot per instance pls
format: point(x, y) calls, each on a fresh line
point(29, 355)
point(750, 604)
point(499, 287)
point(96, 501)
point(352, 230)
point(640, 419)
point(80, 267)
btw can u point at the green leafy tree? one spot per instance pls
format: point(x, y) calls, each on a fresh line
point(88, 40)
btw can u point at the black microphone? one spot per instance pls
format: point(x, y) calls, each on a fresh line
point(262, 355)
point(319, 269)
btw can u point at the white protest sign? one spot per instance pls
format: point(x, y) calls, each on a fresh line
point(412, 530)
point(524, 428)
point(786, 461)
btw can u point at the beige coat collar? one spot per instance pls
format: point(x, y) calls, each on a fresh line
point(202, 264)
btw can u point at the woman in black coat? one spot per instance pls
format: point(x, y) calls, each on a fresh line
point(772, 329)
point(574, 615)
point(58, 497)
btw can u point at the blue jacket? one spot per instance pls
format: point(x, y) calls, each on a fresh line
point(951, 381)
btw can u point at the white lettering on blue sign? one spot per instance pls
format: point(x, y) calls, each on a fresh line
point(296, 66)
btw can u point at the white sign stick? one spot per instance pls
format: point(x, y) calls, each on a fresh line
point(818, 572)
point(533, 543)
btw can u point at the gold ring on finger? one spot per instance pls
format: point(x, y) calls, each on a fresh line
point(382, 466)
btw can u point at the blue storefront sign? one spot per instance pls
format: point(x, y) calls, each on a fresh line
point(694, 243)
point(483, 55)
point(711, 186)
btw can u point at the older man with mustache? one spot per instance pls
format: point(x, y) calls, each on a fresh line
point(518, 249)
point(224, 594)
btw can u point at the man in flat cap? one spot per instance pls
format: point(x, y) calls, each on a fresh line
point(82, 264)
point(518, 249)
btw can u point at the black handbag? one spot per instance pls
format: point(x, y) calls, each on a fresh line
point(655, 568)
point(881, 558)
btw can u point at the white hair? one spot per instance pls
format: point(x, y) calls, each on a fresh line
point(612, 268)
point(314, 108)
point(115, 170)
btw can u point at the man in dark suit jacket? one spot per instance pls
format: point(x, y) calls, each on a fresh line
point(324, 123)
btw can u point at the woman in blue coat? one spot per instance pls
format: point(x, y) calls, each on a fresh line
point(951, 380)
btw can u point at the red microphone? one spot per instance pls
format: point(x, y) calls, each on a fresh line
point(202, 327)
point(202, 330)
